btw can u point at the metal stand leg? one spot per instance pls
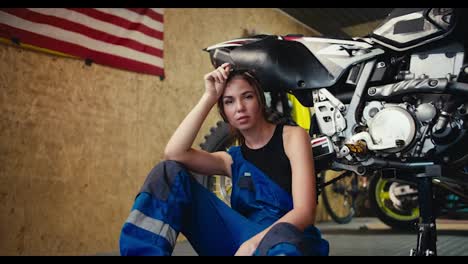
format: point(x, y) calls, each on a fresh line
point(427, 232)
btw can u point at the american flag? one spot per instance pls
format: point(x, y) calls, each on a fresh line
point(125, 38)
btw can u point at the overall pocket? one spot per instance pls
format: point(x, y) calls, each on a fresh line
point(246, 195)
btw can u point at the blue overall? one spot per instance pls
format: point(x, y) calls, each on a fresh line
point(172, 201)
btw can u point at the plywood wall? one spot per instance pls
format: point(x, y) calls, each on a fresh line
point(77, 141)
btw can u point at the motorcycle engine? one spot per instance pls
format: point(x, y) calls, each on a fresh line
point(403, 128)
point(391, 127)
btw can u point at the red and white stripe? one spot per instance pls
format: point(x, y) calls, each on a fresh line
point(130, 39)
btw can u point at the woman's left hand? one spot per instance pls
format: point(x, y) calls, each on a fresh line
point(246, 249)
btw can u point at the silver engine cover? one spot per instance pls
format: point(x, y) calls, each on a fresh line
point(392, 129)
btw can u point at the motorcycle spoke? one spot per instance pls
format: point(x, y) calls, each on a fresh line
point(384, 196)
point(415, 212)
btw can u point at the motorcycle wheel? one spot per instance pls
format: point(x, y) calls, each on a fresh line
point(218, 139)
point(392, 205)
point(339, 197)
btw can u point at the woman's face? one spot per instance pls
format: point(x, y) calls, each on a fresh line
point(241, 105)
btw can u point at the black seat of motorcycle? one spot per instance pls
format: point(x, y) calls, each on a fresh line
point(282, 65)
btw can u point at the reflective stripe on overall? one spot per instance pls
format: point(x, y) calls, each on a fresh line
point(172, 201)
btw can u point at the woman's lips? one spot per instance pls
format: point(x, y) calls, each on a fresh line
point(242, 119)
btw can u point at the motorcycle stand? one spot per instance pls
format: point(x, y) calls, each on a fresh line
point(427, 232)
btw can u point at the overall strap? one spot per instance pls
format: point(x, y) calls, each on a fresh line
point(266, 190)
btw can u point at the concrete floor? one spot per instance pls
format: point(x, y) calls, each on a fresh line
point(369, 237)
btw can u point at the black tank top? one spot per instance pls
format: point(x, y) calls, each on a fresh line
point(272, 159)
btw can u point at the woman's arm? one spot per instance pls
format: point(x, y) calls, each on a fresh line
point(304, 188)
point(179, 147)
point(298, 149)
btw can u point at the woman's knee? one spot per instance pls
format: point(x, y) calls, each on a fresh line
point(162, 177)
point(282, 239)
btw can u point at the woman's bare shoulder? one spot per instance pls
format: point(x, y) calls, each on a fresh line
point(293, 137)
point(293, 131)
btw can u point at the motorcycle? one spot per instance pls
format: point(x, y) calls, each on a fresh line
point(392, 104)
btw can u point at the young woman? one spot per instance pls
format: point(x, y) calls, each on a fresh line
point(274, 193)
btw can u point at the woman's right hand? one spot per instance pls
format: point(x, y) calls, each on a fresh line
point(215, 81)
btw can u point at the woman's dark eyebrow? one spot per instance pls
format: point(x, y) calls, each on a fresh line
point(231, 97)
